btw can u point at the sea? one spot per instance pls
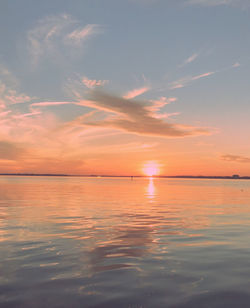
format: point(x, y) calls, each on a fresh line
point(124, 243)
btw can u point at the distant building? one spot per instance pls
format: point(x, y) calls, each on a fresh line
point(235, 176)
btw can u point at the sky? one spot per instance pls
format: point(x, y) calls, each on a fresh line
point(122, 87)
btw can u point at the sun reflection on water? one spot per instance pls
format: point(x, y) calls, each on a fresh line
point(151, 189)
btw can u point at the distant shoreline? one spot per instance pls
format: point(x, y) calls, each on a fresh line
point(234, 177)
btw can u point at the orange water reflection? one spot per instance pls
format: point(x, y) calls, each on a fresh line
point(152, 233)
point(118, 213)
point(151, 188)
point(80, 201)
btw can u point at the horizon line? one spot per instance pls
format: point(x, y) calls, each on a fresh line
point(234, 176)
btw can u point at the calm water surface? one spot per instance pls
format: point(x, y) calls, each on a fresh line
point(113, 242)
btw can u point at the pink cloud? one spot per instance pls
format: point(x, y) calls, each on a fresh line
point(45, 104)
point(161, 102)
point(18, 99)
point(165, 115)
point(202, 75)
point(91, 83)
point(136, 92)
point(78, 35)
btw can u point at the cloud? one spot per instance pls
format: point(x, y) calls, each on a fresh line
point(190, 59)
point(77, 36)
point(24, 115)
point(136, 92)
point(56, 36)
point(236, 158)
point(202, 76)
point(15, 98)
point(8, 89)
point(183, 82)
point(9, 96)
point(45, 104)
point(161, 102)
point(91, 83)
point(134, 117)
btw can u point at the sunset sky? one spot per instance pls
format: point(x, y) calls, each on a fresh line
point(120, 86)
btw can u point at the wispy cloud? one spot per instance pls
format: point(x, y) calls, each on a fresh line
point(46, 104)
point(53, 35)
point(13, 97)
point(202, 75)
point(183, 82)
point(134, 117)
point(78, 36)
point(236, 158)
point(10, 96)
point(24, 115)
point(91, 83)
point(9, 93)
point(190, 59)
point(157, 104)
point(136, 92)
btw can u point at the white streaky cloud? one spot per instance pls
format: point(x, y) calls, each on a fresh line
point(91, 83)
point(41, 39)
point(136, 92)
point(183, 82)
point(56, 35)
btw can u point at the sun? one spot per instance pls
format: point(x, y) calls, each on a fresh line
point(151, 168)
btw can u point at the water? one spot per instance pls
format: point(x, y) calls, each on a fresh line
point(113, 242)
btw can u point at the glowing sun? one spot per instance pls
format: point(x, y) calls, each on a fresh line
point(151, 168)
